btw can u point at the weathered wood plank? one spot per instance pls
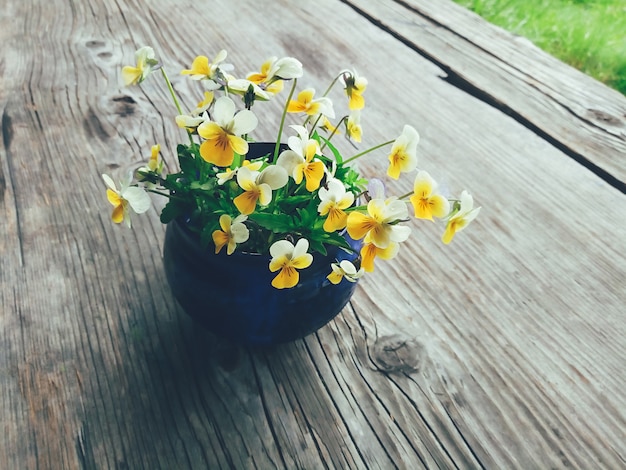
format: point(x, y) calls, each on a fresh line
point(504, 350)
point(567, 107)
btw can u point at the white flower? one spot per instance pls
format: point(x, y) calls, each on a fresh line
point(461, 217)
point(258, 186)
point(127, 196)
point(286, 68)
point(233, 231)
point(223, 135)
point(403, 156)
point(287, 259)
point(241, 86)
point(333, 200)
point(344, 270)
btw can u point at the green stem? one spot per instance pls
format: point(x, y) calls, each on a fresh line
point(174, 98)
point(171, 89)
point(282, 119)
point(358, 155)
point(330, 87)
point(332, 84)
point(333, 132)
point(169, 196)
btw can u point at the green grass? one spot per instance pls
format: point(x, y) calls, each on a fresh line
point(587, 34)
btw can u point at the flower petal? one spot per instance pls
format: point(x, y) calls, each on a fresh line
point(287, 277)
point(245, 121)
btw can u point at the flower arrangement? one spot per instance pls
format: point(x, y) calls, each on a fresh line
point(301, 197)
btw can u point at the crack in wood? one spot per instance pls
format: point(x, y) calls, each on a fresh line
point(7, 139)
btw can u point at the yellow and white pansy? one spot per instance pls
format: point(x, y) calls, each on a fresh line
point(299, 161)
point(233, 231)
point(190, 122)
point(223, 134)
point(344, 270)
point(274, 71)
point(197, 116)
point(146, 61)
point(241, 86)
point(354, 88)
point(353, 126)
point(204, 104)
point(257, 186)
point(155, 164)
point(461, 217)
point(228, 174)
point(126, 196)
point(308, 104)
point(380, 225)
point(333, 200)
point(369, 252)
point(427, 202)
point(403, 156)
point(285, 68)
point(328, 126)
point(265, 80)
point(202, 69)
point(287, 259)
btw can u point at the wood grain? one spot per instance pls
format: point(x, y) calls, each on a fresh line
point(503, 350)
point(557, 102)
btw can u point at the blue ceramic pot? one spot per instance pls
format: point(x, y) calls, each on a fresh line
point(232, 295)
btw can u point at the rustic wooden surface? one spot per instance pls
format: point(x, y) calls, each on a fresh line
point(503, 350)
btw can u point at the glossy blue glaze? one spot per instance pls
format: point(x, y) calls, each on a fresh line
point(232, 296)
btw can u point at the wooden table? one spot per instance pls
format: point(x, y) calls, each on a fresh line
point(505, 349)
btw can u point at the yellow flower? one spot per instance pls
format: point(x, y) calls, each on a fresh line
point(198, 115)
point(426, 202)
point(145, 63)
point(190, 123)
point(334, 199)
point(354, 88)
point(203, 105)
point(461, 217)
point(369, 252)
point(344, 270)
point(241, 86)
point(305, 103)
point(274, 71)
point(287, 259)
point(127, 196)
point(258, 186)
point(153, 163)
point(202, 69)
point(233, 232)
point(229, 174)
point(263, 75)
point(403, 156)
point(353, 126)
point(223, 135)
point(381, 223)
point(328, 126)
point(299, 161)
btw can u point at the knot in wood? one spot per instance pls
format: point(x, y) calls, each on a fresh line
point(395, 353)
point(124, 105)
point(602, 117)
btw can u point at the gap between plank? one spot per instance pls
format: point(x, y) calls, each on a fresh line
point(456, 80)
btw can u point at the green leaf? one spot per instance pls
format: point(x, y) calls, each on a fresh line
point(277, 223)
point(172, 210)
point(334, 150)
point(316, 245)
point(187, 162)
